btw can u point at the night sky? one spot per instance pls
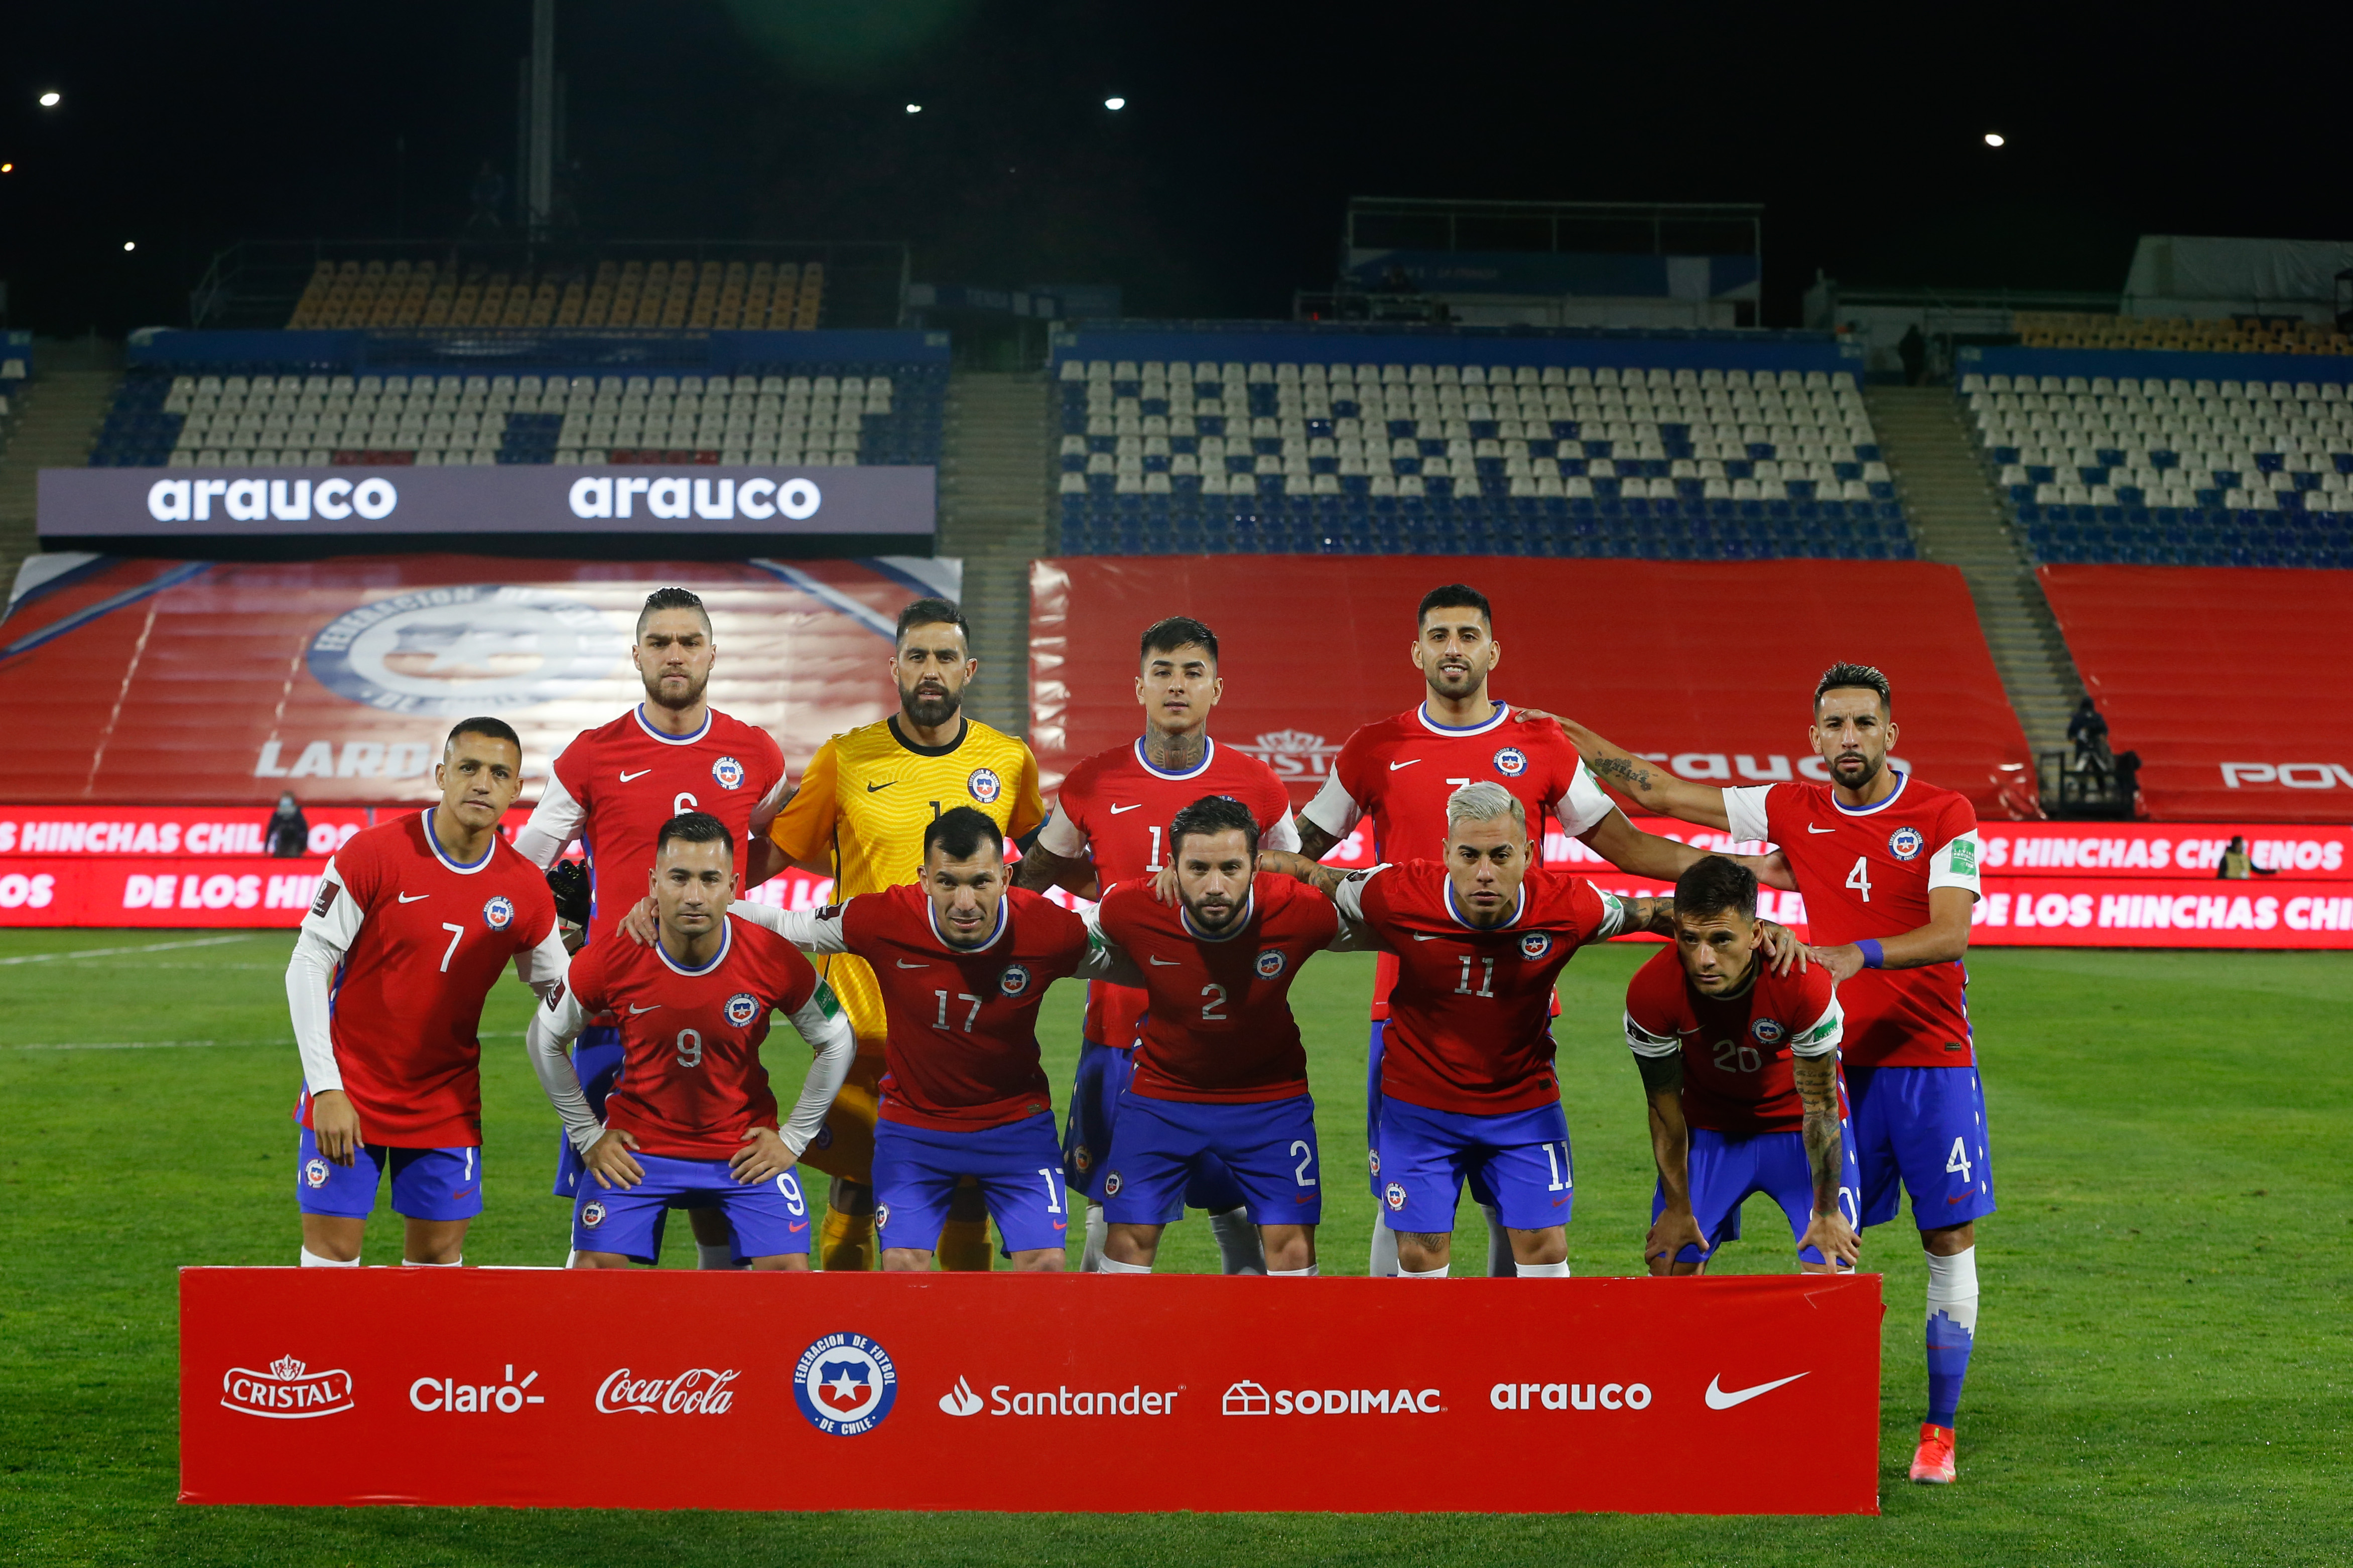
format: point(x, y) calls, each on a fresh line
point(1219, 189)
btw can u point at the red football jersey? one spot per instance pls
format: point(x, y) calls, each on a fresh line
point(424, 939)
point(615, 785)
point(1399, 772)
point(691, 1084)
point(1217, 1025)
point(963, 1048)
point(1115, 808)
point(1867, 872)
point(1470, 1018)
point(1736, 1049)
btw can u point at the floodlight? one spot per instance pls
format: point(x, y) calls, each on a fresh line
point(50, 99)
point(915, 109)
point(1993, 138)
point(1115, 104)
point(130, 245)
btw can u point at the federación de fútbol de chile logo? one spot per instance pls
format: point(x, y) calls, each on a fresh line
point(845, 1384)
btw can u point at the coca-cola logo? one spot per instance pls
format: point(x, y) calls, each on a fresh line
point(289, 1391)
point(698, 1391)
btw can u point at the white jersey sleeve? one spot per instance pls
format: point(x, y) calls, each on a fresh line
point(1584, 808)
point(1955, 864)
point(1333, 809)
point(1283, 836)
point(328, 932)
point(1822, 1036)
point(1613, 916)
point(1744, 809)
point(1061, 837)
point(543, 967)
point(1106, 959)
point(811, 930)
point(1643, 1043)
point(826, 1028)
point(552, 1026)
point(554, 823)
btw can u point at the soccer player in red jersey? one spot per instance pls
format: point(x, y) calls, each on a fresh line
point(413, 921)
point(963, 962)
point(1400, 771)
point(692, 1122)
point(1467, 1085)
point(612, 789)
point(1110, 824)
point(1888, 865)
point(1219, 1069)
point(1740, 1066)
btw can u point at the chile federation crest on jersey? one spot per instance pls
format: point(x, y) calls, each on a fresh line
point(1511, 762)
point(1535, 945)
point(499, 913)
point(1271, 963)
point(845, 1384)
point(1905, 843)
point(727, 773)
point(984, 786)
point(1768, 1031)
point(742, 1008)
point(1014, 981)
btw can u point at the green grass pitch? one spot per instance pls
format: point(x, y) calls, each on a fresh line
point(2162, 1373)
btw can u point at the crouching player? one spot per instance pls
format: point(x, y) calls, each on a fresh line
point(1220, 1068)
point(693, 1122)
point(1740, 1065)
point(1466, 1081)
point(963, 962)
point(412, 923)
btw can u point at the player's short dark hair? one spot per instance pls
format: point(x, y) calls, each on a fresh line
point(1175, 632)
point(1455, 596)
point(1214, 814)
point(960, 831)
point(694, 828)
point(1713, 885)
point(673, 599)
point(1862, 676)
point(496, 729)
point(932, 612)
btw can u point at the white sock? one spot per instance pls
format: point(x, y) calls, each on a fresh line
point(1543, 1270)
point(1953, 1287)
point(1499, 1246)
point(1091, 1259)
point(1238, 1245)
point(572, 1258)
point(1437, 1273)
point(718, 1254)
point(411, 1263)
point(1385, 1258)
point(1307, 1272)
point(1113, 1266)
point(313, 1261)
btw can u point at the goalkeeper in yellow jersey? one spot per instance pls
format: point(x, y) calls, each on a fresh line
point(860, 817)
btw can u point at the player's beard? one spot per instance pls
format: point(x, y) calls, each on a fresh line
point(1455, 683)
point(1857, 780)
point(694, 689)
point(930, 709)
point(1224, 916)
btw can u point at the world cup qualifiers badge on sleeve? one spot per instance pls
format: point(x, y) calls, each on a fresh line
point(1905, 843)
point(728, 772)
point(742, 1008)
point(1511, 762)
point(985, 785)
point(499, 913)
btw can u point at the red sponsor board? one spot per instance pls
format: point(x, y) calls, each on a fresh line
point(486, 1386)
point(2185, 664)
point(1310, 652)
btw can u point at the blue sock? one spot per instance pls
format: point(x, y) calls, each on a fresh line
point(1952, 1331)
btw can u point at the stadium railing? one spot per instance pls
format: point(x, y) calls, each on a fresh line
point(663, 294)
point(1560, 444)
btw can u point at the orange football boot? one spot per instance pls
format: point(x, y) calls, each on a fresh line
point(1932, 1462)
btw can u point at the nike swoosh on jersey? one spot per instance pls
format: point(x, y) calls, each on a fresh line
point(1718, 1399)
point(886, 783)
point(1117, 809)
point(635, 1009)
point(1407, 764)
point(1166, 962)
point(638, 775)
point(412, 898)
point(905, 965)
point(1811, 828)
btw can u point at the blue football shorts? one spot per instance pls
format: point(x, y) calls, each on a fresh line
point(1103, 1072)
point(918, 1169)
point(426, 1183)
point(1267, 1146)
point(1423, 1157)
point(1724, 1169)
point(1925, 1128)
point(770, 1218)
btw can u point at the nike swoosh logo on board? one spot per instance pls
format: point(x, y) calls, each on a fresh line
point(1718, 1399)
point(412, 898)
point(1167, 962)
point(886, 783)
point(1117, 809)
point(1811, 828)
point(905, 965)
point(635, 1009)
point(1407, 764)
point(638, 775)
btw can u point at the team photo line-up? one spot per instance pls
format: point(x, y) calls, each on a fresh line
point(1825, 1077)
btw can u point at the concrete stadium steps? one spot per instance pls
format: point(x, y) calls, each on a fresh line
point(995, 450)
point(1958, 520)
point(60, 410)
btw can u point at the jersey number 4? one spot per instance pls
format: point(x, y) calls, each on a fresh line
point(1860, 877)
